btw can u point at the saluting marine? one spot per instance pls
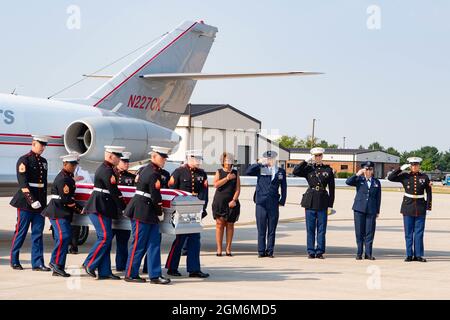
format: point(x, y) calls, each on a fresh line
point(144, 211)
point(318, 203)
point(189, 178)
point(30, 200)
point(105, 203)
point(414, 206)
point(60, 211)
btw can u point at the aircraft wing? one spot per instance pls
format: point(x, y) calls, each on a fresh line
point(215, 76)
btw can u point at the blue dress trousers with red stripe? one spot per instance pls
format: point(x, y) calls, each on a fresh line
point(31, 172)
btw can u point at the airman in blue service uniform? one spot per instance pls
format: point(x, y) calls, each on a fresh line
point(189, 178)
point(318, 203)
point(105, 203)
point(414, 206)
point(30, 200)
point(366, 208)
point(144, 211)
point(271, 179)
point(125, 178)
point(60, 211)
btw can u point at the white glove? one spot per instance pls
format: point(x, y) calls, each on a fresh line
point(36, 205)
point(428, 212)
point(309, 159)
point(405, 166)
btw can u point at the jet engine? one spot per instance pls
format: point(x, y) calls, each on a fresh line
point(88, 136)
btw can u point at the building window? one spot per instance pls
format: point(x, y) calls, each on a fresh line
point(344, 167)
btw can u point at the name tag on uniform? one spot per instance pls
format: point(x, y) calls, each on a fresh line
point(265, 171)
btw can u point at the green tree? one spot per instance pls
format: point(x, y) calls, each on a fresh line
point(287, 141)
point(430, 155)
point(375, 146)
point(427, 165)
point(325, 144)
point(393, 151)
point(443, 163)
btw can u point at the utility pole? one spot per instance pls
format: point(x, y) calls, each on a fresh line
point(312, 135)
point(344, 141)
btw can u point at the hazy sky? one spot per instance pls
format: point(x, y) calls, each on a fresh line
point(390, 85)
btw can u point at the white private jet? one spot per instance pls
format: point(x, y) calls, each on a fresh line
point(136, 108)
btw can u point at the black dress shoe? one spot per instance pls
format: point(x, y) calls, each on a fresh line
point(198, 274)
point(17, 266)
point(229, 254)
point(90, 272)
point(137, 279)
point(369, 257)
point(218, 254)
point(271, 256)
point(110, 277)
point(420, 259)
point(174, 273)
point(320, 256)
point(42, 268)
point(120, 270)
point(358, 257)
point(311, 256)
point(262, 255)
point(160, 280)
point(60, 273)
point(409, 259)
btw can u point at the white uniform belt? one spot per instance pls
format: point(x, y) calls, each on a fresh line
point(415, 196)
point(54, 196)
point(142, 193)
point(36, 185)
point(101, 190)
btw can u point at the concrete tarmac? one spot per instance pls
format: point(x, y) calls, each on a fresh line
point(290, 275)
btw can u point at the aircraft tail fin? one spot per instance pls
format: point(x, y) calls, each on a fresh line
point(162, 101)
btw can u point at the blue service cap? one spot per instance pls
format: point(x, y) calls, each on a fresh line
point(270, 154)
point(367, 164)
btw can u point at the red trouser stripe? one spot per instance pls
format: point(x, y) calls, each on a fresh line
point(101, 243)
point(58, 253)
point(175, 244)
point(15, 234)
point(136, 239)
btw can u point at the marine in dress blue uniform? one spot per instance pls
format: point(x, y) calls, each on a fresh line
point(165, 177)
point(366, 208)
point(60, 211)
point(189, 178)
point(317, 201)
point(30, 200)
point(125, 178)
point(143, 211)
point(414, 206)
point(105, 203)
point(271, 180)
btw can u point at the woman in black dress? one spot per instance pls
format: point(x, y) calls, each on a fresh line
point(225, 206)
